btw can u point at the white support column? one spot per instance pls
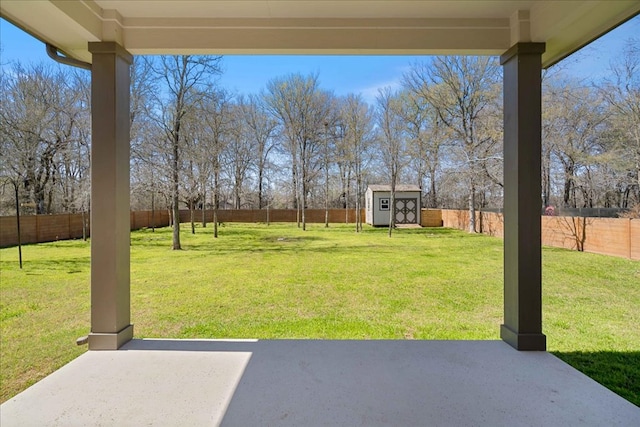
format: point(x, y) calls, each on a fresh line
point(522, 326)
point(110, 228)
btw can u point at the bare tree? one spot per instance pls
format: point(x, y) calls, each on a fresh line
point(217, 126)
point(622, 91)
point(146, 165)
point(40, 124)
point(343, 154)
point(261, 128)
point(427, 136)
point(462, 90)
point(357, 117)
point(333, 153)
point(72, 161)
point(186, 80)
point(302, 108)
point(195, 145)
point(193, 163)
point(240, 154)
point(392, 141)
point(574, 117)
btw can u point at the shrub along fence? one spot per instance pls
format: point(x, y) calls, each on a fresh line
point(608, 236)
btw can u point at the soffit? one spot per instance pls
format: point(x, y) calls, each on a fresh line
point(320, 26)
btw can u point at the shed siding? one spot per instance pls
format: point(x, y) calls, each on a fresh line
point(377, 217)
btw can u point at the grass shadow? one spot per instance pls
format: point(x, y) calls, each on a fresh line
point(40, 266)
point(617, 371)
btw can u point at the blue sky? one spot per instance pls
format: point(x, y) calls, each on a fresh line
point(341, 74)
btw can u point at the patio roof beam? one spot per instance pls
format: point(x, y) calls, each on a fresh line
point(318, 36)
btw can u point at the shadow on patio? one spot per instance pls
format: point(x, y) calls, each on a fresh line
point(311, 382)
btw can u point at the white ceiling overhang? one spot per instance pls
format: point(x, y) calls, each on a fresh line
point(318, 27)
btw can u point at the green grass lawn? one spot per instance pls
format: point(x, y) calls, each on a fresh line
point(276, 281)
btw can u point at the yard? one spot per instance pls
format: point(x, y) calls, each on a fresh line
point(276, 281)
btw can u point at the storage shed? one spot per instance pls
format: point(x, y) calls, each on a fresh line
point(406, 209)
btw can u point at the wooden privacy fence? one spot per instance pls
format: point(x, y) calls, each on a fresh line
point(41, 228)
point(49, 228)
point(273, 215)
point(431, 217)
point(608, 236)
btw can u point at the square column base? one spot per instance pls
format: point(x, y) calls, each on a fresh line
point(523, 342)
point(105, 341)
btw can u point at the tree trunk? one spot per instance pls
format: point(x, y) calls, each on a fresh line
point(19, 235)
point(546, 178)
point(153, 212)
point(472, 209)
point(84, 226)
point(294, 187)
point(176, 225)
point(176, 207)
point(568, 192)
point(237, 201)
point(638, 176)
point(296, 194)
point(392, 209)
point(346, 198)
point(204, 208)
point(260, 168)
point(326, 199)
point(433, 198)
point(326, 192)
point(215, 222)
point(326, 214)
point(304, 205)
point(216, 203)
point(304, 190)
point(192, 216)
point(358, 213)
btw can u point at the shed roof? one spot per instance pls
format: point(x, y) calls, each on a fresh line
point(399, 187)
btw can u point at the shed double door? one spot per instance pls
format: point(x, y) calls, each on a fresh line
point(406, 211)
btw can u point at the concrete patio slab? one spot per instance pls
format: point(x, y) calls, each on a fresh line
point(316, 383)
